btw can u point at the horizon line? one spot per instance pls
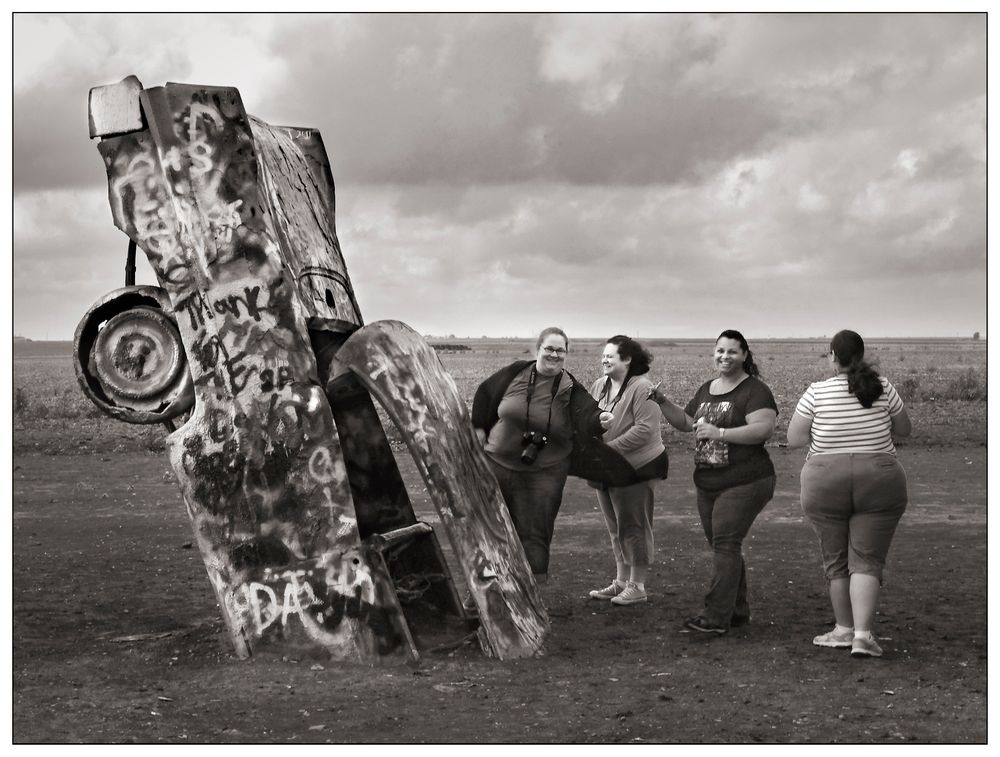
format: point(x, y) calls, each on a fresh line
point(980, 338)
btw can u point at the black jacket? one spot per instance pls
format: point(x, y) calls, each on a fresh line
point(591, 458)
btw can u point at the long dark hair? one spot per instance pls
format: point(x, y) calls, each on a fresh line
point(862, 380)
point(748, 364)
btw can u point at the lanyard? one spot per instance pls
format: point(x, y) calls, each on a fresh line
point(607, 391)
point(531, 390)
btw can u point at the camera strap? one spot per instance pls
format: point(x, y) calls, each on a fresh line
point(531, 390)
point(606, 392)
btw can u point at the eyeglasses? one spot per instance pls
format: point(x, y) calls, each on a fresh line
point(553, 350)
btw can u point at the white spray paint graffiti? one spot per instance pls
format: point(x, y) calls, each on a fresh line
point(282, 596)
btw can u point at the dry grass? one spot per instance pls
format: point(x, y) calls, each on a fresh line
point(942, 381)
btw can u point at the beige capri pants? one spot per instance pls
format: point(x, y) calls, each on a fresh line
point(854, 501)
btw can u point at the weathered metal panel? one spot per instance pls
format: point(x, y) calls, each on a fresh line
point(420, 574)
point(405, 374)
point(114, 108)
point(296, 176)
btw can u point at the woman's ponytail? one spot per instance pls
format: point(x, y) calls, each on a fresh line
point(862, 380)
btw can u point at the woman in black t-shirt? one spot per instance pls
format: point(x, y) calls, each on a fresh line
point(732, 416)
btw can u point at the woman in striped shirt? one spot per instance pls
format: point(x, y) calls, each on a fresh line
point(853, 488)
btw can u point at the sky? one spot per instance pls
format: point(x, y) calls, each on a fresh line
point(670, 175)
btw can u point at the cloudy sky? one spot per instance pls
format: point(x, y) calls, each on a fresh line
point(667, 175)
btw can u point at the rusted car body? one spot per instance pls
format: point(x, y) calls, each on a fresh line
point(254, 344)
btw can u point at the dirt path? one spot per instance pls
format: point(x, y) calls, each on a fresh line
point(102, 553)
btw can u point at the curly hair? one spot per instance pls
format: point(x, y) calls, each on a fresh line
point(630, 348)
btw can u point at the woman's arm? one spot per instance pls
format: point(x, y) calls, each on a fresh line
point(673, 414)
point(646, 424)
point(758, 429)
point(799, 430)
point(901, 425)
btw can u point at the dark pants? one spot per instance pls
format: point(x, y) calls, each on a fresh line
point(533, 499)
point(726, 517)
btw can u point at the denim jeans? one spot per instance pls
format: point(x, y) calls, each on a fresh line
point(726, 517)
point(533, 499)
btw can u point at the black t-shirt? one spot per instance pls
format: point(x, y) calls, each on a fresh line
point(720, 465)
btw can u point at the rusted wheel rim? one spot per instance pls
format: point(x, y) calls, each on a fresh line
point(129, 357)
point(138, 354)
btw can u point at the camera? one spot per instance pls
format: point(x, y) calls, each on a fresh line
point(532, 441)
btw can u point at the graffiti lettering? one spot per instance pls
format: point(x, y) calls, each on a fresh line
point(231, 304)
point(267, 378)
point(224, 219)
point(258, 605)
point(196, 307)
point(321, 465)
point(298, 597)
point(216, 475)
point(207, 355)
point(234, 367)
point(219, 426)
point(142, 206)
point(200, 152)
point(294, 413)
point(195, 114)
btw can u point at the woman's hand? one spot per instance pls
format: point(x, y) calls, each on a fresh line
point(606, 420)
point(673, 414)
point(703, 430)
point(656, 395)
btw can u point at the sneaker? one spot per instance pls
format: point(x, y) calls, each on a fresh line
point(835, 638)
point(703, 624)
point(608, 592)
point(862, 647)
point(630, 595)
point(739, 620)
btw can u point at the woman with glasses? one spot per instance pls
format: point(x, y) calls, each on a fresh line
point(635, 433)
point(732, 416)
point(530, 416)
point(853, 488)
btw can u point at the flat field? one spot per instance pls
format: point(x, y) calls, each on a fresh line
point(117, 638)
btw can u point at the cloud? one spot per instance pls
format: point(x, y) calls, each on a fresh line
point(468, 99)
point(497, 173)
point(58, 58)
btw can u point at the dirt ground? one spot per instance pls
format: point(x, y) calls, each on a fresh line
point(117, 638)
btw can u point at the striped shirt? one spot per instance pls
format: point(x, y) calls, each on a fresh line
point(841, 424)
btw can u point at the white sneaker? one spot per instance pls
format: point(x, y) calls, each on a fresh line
point(835, 638)
point(608, 592)
point(864, 647)
point(630, 595)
